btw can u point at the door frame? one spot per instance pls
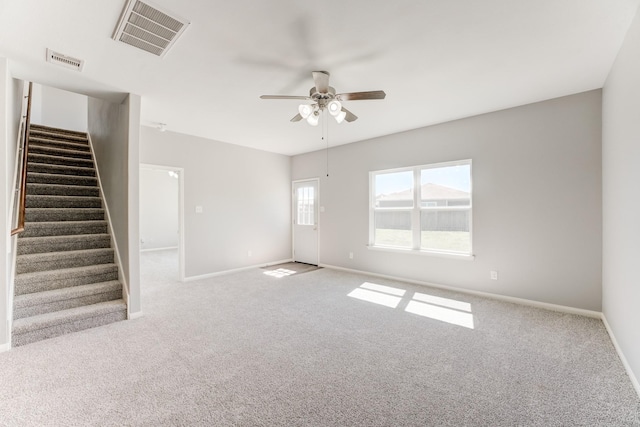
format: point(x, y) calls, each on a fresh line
point(180, 211)
point(293, 216)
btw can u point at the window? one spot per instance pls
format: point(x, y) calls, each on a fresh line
point(305, 208)
point(422, 208)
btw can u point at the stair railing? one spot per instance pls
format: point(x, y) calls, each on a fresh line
point(24, 148)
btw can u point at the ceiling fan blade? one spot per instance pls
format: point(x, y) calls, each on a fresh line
point(321, 79)
point(350, 117)
point(359, 96)
point(296, 118)
point(284, 97)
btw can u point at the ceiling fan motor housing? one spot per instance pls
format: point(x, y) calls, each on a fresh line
point(322, 98)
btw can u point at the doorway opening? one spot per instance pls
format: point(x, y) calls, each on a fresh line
point(161, 223)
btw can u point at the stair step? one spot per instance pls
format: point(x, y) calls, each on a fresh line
point(48, 178)
point(36, 245)
point(58, 323)
point(59, 160)
point(57, 134)
point(66, 145)
point(40, 281)
point(60, 169)
point(43, 128)
point(58, 260)
point(35, 148)
point(62, 228)
point(64, 214)
point(38, 303)
point(47, 201)
point(62, 190)
point(58, 137)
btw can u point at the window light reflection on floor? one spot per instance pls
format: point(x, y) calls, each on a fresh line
point(443, 314)
point(375, 297)
point(382, 288)
point(280, 272)
point(437, 308)
point(443, 302)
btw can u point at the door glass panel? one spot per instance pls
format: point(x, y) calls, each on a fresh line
point(305, 206)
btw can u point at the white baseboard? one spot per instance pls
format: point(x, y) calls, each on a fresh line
point(136, 315)
point(521, 301)
point(235, 270)
point(627, 367)
point(5, 347)
point(159, 249)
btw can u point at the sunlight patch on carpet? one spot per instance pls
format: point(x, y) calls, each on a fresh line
point(289, 269)
point(433, 307)
point(279, 272)
point(375, 297)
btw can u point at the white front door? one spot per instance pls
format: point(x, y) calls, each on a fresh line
point(305, 221)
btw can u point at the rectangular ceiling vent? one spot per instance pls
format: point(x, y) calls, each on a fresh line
point(148, 28)
point(64, 60)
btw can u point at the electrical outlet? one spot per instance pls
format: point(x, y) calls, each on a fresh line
point(249, 253)
point(199, 209)
point(350, 255)
point(493, 274)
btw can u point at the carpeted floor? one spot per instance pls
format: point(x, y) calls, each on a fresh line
point(324, 348)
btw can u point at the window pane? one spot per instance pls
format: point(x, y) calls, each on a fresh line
point(394, 190)
point(445, 186)
point(445, 230)
point(305, 208)
point(393, 228)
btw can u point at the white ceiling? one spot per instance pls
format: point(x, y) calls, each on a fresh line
point(437, 60)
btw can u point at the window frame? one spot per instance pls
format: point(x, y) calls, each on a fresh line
point(373, 209)
point(417, 209)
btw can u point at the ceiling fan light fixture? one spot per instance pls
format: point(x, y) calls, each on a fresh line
point(334, 107)
point(313, 119)
point(340, 116)
point(305, 110)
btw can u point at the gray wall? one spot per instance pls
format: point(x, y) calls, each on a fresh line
point(158, 209)
point(59, 108)
point(536, 201)
point(5, 138)
point(244, 193)
point(114, 130)
point(621, 199)
point(10, 110)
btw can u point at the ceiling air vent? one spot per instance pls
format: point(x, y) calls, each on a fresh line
point(148, 28)
point(64, 60)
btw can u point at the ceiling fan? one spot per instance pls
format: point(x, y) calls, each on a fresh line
point(324, 97)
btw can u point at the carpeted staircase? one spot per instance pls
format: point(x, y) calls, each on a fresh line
point(66, 279)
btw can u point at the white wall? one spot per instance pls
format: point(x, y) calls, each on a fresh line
point(59, 108)
point(536, 200)
point(158, 209)
point(5, 78)
point(114, 130)
point(10, 111)
point(621, 199)
point(244, 193)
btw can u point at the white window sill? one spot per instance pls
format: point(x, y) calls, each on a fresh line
point(450, 255)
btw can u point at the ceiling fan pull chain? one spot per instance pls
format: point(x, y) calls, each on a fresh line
point(326, 121)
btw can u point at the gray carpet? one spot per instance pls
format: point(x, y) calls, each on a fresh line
point(250, 349)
